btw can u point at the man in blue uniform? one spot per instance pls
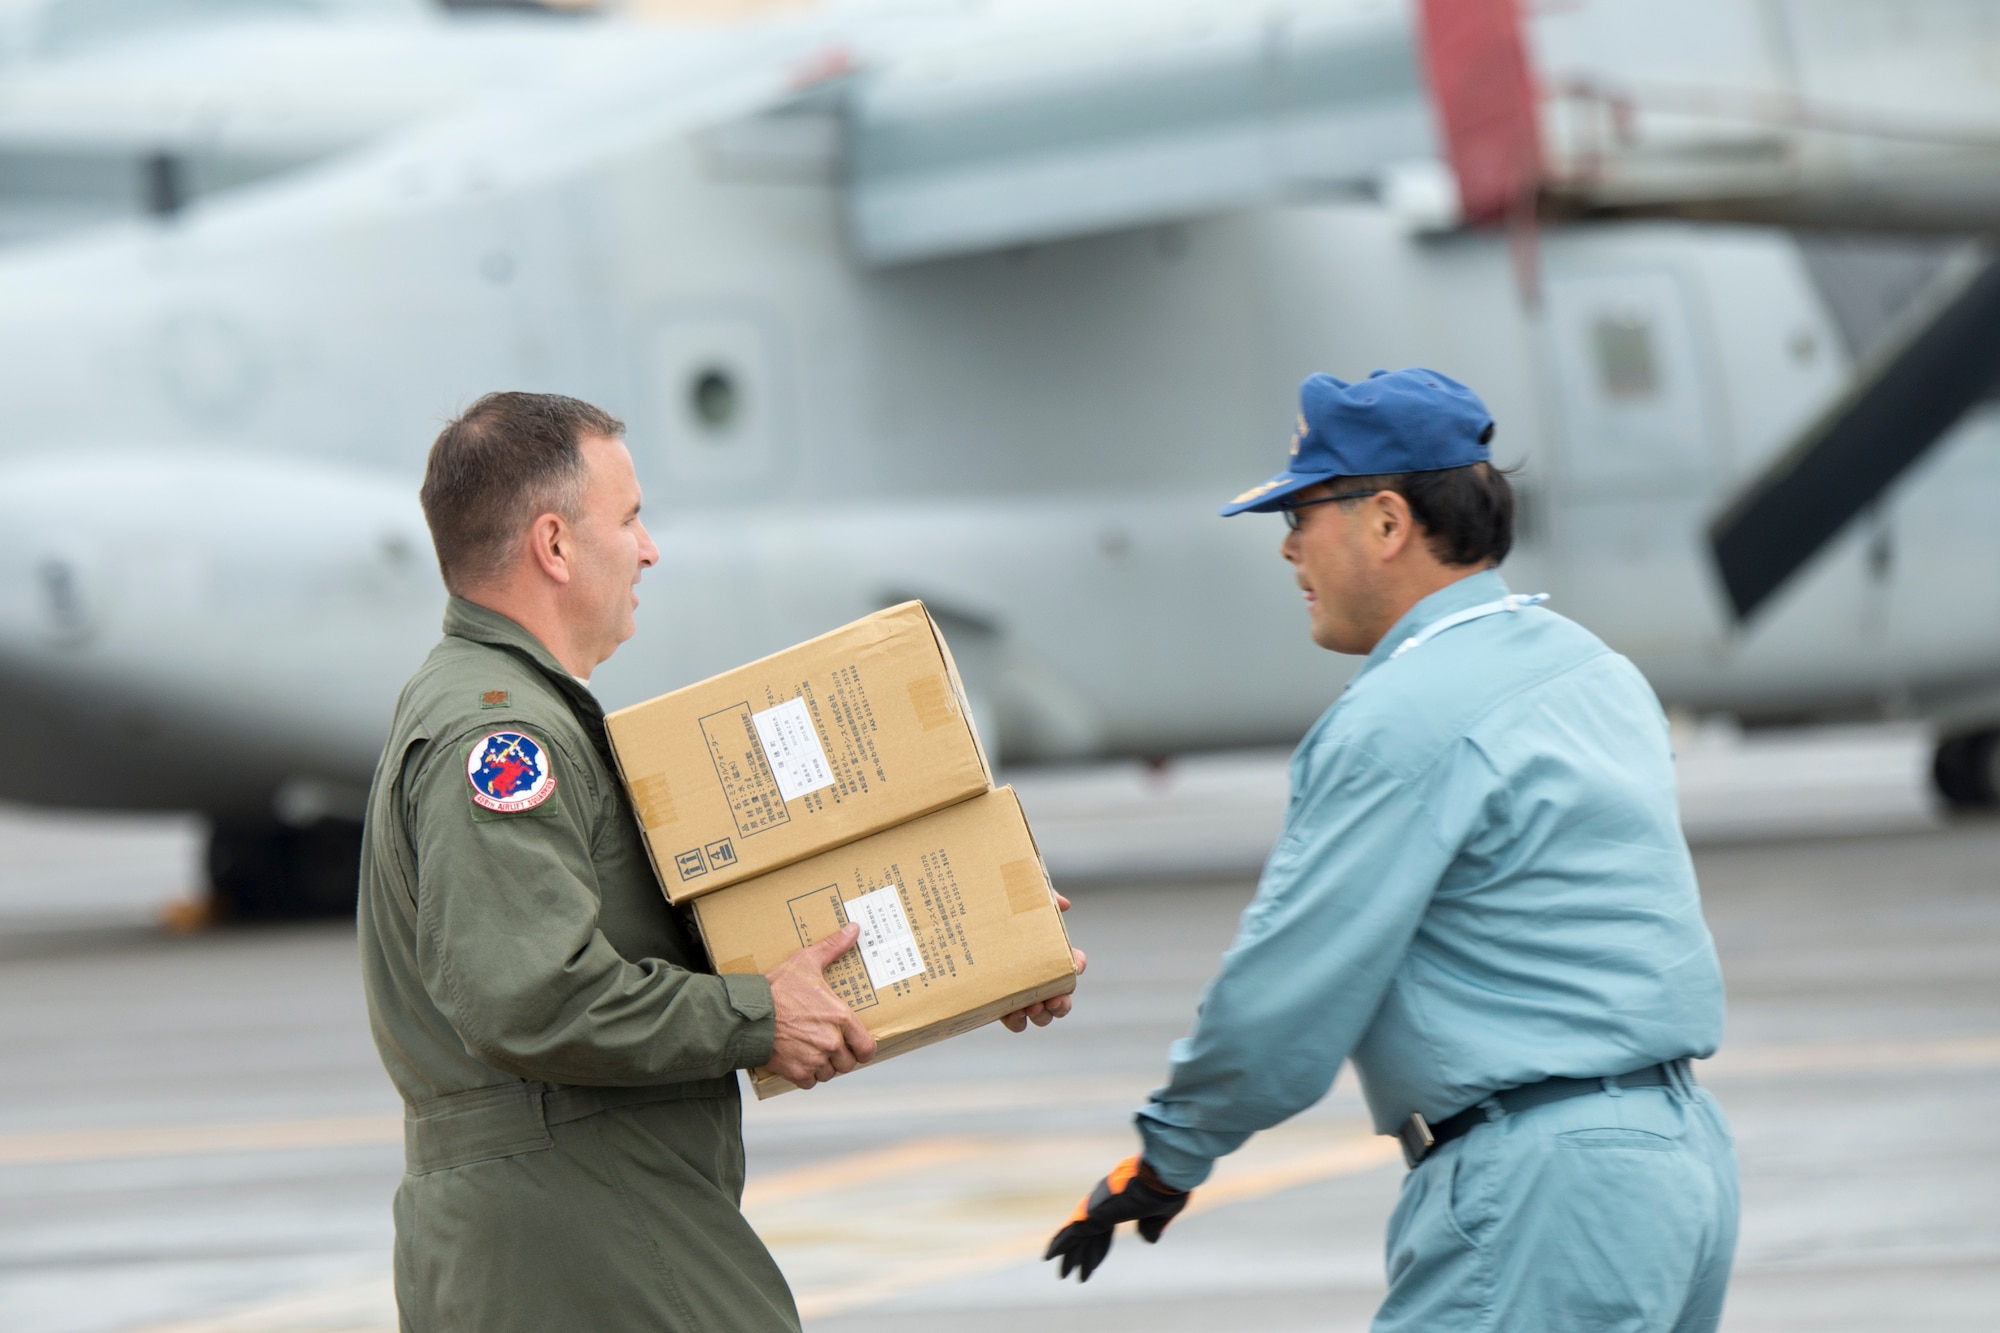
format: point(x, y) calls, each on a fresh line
point(1482, 896)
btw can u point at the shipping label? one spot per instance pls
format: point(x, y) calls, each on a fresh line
point(888, 946)
point(792, 748)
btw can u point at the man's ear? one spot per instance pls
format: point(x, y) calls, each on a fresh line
point(549, 542)
point(1391, 523)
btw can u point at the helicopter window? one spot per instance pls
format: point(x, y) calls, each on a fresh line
point(714, 404)
point(1626, 364)
point(712, 396)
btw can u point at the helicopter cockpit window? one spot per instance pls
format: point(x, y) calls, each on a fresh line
point(1626, 364)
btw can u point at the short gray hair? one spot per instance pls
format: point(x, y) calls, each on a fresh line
point(506, 460)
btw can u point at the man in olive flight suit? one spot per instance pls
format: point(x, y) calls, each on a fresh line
point(565, 1053)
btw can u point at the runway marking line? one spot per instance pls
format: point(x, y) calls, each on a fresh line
point(1342, 1159)
point(858, 1168)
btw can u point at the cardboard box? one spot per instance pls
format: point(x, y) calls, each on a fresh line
point(852, 732)
point(959, 925)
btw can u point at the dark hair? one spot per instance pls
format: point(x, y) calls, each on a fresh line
point(1467, 513)
point(509, 458)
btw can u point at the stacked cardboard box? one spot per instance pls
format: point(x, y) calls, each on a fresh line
point(840, 780)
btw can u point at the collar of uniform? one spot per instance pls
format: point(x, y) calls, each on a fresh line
point(1470, 591)
point(470, 620)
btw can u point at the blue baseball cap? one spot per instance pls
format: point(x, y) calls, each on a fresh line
point(1394, 421)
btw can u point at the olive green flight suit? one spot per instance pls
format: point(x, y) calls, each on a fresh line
point(573, 1131)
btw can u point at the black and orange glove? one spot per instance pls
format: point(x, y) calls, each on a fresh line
point(1131, 1193)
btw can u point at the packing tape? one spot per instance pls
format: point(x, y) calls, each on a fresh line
point(1027, 891)
point(932, 698)
point(738, 966)
point(653, 800)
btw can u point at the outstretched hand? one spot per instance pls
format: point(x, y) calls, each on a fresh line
point(818, 1036)
point(1044, 1012)
point(1131, 1193)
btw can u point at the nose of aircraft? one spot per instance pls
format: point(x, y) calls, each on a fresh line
point(216, 629)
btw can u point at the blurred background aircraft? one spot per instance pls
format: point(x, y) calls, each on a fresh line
point(990, 304)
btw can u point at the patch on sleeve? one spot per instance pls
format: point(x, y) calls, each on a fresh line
point(493, 699)
point(509, 772)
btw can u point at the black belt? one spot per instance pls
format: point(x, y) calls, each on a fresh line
point(1420, 1137)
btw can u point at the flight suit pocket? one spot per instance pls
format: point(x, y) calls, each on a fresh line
point(475, 1126)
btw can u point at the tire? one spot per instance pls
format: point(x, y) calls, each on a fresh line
point(267, 872)
point(1966, 770)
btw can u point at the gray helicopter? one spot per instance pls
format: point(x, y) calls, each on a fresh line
point(987, 305)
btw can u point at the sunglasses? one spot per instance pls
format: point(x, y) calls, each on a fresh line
point(1291, 511)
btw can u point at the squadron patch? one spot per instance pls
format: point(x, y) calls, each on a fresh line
point(509, 773)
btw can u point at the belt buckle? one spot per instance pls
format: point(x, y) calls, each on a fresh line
point(1416, 1138)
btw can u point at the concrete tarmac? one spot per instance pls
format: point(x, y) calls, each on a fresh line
point(195, 1134)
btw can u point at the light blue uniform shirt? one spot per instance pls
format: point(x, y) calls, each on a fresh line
point(1482, 883)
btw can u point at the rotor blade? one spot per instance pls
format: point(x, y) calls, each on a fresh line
point(1847, 459)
